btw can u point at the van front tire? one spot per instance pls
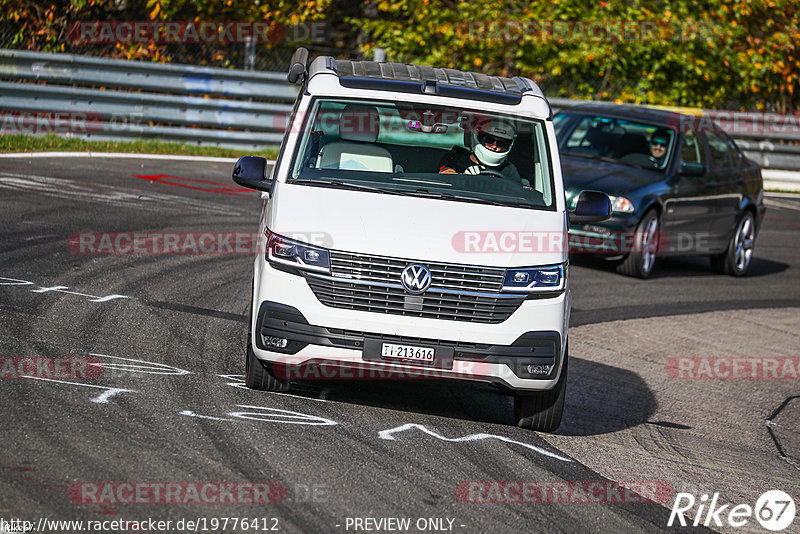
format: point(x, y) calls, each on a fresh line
point(259, 376)
point(542, 410)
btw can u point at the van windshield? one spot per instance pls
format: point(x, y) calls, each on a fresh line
point(425, 150)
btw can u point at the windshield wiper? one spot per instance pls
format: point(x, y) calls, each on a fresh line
point(343, 185)
point(422, 193)
point(459, 198)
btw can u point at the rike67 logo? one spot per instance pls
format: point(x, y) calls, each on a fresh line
point(774, 510)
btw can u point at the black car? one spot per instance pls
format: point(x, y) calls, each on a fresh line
point(678, 186)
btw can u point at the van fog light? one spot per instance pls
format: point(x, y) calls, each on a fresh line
point(539, 369)
point(277, 342)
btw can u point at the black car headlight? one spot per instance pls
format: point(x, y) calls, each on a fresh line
point(621, 204)
point(284, 251)
point(544, 279)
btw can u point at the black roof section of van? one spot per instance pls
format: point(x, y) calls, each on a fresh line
point(452, 83)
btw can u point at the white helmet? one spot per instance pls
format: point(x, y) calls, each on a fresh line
point(499, 132)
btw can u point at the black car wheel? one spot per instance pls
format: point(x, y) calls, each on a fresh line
point(736, 260)
point(542, 410)
point(639, 261)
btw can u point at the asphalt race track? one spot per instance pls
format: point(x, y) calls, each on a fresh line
point(170, 406)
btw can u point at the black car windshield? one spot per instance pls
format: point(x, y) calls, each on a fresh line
point(613, 139)
point(452, 154)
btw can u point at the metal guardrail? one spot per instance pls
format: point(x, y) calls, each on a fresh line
point(109, 99)
point(246, 110)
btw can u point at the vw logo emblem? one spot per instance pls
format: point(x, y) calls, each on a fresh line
point(416, 278)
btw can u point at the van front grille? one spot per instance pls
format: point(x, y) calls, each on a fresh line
point(457, 292)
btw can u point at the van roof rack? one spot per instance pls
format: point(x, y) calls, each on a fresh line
point(399, 77)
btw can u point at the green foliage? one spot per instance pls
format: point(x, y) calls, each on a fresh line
point(710, 53)
point(714, 54)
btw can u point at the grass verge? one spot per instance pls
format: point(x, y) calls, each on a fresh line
point(52, 142)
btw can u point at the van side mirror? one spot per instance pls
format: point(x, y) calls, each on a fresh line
point(592, 207)
point(692, 169)
point(250, 172)
point(297, 68)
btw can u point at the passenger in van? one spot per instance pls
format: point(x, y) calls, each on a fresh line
point(491, 143)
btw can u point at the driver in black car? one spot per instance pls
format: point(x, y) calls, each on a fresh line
point(491, 142)
point(658, 147)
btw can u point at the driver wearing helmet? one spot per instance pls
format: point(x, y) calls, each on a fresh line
point(491, 142)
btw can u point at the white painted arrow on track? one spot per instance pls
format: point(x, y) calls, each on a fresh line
point(388, 434)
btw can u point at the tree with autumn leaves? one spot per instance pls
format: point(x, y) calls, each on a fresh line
point(723, 54)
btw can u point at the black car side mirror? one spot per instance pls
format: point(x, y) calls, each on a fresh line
point(250, 172)
point(297, 68)
point(592, 207)
point(692, 169)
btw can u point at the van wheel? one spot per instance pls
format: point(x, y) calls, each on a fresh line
point(736, 259)
point(639, 261)
point(259, 375)
point(542, 410)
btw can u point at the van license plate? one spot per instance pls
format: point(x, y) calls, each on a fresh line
point(406, 352)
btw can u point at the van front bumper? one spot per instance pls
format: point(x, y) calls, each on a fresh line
point(509, 354)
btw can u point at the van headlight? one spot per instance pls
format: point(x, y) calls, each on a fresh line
point(545, 279)
point(285, 251)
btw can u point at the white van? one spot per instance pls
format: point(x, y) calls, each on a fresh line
point(415, 226)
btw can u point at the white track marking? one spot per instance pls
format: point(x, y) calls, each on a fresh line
point(235, 378)
point(238, 382)
point(388, 435)
point(795, 196)
point(108, 297)
point(781, 204)
point(92, 298)
point(100, 399)
point(276, 415)
point(15, 282)
point(59, 289)
point(145, 367)
point(46, 289)
point(106, 194)
point(297, 396)
point(117, 155)
point(268, 415)
point(193, 414)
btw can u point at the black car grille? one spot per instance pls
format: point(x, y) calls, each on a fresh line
point(457, 292)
